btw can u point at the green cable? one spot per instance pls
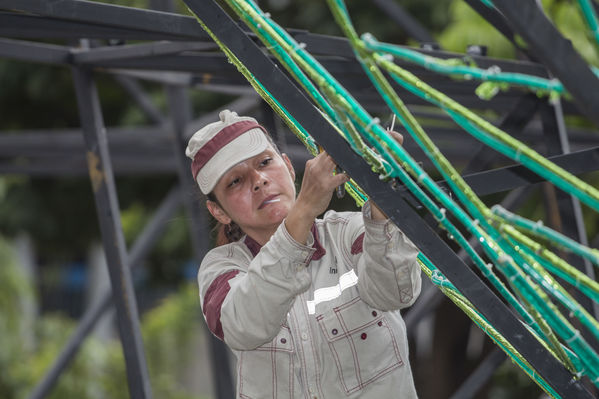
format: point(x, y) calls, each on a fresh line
point(495, 137)
point(539, 230)
point(458, 67)
point(483, 267)
point(557, 265)
point(352, 36)
point(361, 116)
point(459, 300)
point(590, 16)
point(457, 233)
point(534, 269)
point(351, 187)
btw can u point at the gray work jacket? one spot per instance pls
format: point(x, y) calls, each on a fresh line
point(319, 320)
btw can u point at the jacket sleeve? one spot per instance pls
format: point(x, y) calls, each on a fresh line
point(245, 305)
point(388, 273)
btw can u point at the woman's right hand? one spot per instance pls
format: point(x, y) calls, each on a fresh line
point(318, 184)
point(315, 194)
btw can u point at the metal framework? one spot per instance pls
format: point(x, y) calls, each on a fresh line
point(178, 53)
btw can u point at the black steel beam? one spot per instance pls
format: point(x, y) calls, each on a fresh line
point(510, 177)
point(142, 245)
point(35, 27)
point(34, 52)
point(180, 111)
point(556, 52)
point(123, 52)
point(398, 210)
point(165, 23)
point(60, 149)
point(59, 167)
point(70, 349)
point(134, 89)
point(103, 185)
point(495, 18)
point(405, 21)
point(215, 62)
point(178, 27)
point(69, 142)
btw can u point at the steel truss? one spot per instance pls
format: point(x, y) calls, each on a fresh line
point(178, 53)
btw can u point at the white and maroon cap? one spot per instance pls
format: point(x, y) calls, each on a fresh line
point(219, 146)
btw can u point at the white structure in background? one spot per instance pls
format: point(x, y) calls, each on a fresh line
point(25, 254)
point(98, 284)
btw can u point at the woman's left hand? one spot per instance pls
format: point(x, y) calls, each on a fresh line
point(376, 212)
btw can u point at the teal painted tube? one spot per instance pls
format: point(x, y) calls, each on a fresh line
point(458, 68)
point(515, 274)
point(590, 16)
point(542, 231)
point(519, 153)
point(364, 120)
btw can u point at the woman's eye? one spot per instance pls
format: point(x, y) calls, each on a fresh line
point(234, 182)
point(265, 161)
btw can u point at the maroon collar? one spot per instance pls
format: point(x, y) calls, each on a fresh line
point(254, 247)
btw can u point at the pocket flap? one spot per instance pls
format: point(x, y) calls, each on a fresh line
point(348, 318)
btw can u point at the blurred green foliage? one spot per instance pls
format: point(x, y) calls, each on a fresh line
point(29, 346)
point(467, 27)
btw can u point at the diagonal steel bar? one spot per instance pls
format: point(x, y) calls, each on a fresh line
point(431, 298)
point(480, 376)
point(141, 98)
point(495, 18)
point(397, 209)
point(510, 177)
point(556, 52)
point(103, 185)
point(404, 20)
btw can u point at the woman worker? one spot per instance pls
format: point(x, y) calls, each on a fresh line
point(309, 306)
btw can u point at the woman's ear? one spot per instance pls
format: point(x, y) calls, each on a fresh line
point(217, 212)
point(289, 166)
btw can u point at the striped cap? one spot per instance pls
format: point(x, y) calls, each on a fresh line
point(218, 146)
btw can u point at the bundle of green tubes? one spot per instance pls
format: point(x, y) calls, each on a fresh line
point(511, 245)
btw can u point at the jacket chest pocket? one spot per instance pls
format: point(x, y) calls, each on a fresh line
point(267, 371)
point(361, 342)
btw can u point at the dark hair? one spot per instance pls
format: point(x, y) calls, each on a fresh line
point(225, 233)
point(228, 233)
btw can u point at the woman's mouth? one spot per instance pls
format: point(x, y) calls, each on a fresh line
point(269, 201)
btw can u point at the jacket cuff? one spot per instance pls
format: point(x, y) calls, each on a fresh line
point(377, 228)
point(299, 254)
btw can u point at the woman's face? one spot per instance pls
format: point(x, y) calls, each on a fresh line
point(256, 194)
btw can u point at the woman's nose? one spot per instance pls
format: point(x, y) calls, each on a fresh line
point(260, 181)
